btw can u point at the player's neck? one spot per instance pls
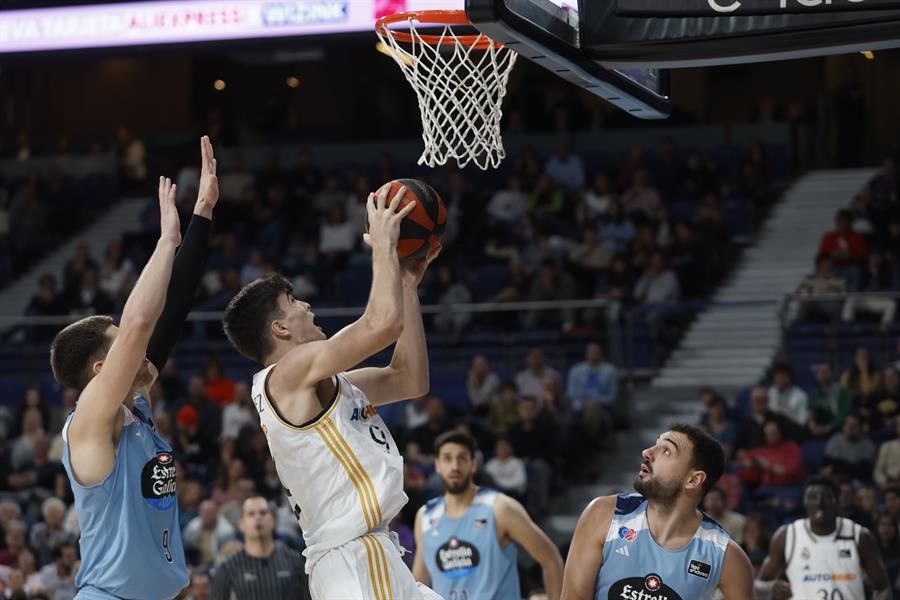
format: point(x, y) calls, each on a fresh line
point(823, 530)
point(457, 504)
point(671, 524)
point(259, 548)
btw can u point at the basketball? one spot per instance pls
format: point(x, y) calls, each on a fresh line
point(421, 230)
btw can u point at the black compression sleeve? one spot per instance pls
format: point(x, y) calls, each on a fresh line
point(188, 268)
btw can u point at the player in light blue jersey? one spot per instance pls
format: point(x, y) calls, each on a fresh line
point(656, 544)
point(121, 470)
point(466, 540)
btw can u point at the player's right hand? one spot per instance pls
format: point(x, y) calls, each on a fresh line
point(781, 590)
point(384, 221)
point(169, 223)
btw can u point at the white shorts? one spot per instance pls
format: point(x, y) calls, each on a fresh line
point(367, 568)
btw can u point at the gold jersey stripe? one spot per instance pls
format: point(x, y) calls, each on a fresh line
point(372, 573)
point(351, 474)
point(366, 481)
point(387, 572)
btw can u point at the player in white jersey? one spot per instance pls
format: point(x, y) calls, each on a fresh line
point(824, 556)
point(336, 459)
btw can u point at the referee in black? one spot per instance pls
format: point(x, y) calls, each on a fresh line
point(263, 569)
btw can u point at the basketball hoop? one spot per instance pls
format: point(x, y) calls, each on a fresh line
point(459, 80)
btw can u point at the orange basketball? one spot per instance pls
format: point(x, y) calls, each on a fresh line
point(421, 229)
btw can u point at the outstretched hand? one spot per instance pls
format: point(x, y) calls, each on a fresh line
point(415, 270)
point(169, 223)
point(208, 193)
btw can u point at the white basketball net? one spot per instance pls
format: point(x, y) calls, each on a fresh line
point(460, 90)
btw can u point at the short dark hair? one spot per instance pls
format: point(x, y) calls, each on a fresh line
point(456, 436)
point(829, 483)
point(76, 347)
point(716, 490)
point(251, 311)
point(785, 369)
point(706, 454)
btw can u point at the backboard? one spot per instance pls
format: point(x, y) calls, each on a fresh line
point(547, 32)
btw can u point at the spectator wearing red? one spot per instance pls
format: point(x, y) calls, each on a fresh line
point(778, 463)
point(844, 246)
point(219, 388)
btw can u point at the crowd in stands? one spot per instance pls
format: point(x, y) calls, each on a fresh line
point(861, 254)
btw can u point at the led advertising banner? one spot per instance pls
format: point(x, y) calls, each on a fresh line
point(184, 21)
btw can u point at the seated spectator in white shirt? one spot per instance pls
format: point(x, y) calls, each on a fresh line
point(233, 181)
point(565, 169)
point(337, 235)
point(658, 284)
point(785, 398)
point(238, 413)
point(641, 197)
point(529, 382)
point(507, 471)
point(508, 205)
point(206, 533)
point(482, 385)
point(887, 467)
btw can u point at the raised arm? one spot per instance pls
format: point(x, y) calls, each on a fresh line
point(586, 551)
point(381, 323)
point(514, 522)
point(97, 420)
point(407, 375)
point(419, 570)
point(190, 263)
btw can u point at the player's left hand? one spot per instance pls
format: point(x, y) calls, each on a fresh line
point(415, 271)
point(208, 193)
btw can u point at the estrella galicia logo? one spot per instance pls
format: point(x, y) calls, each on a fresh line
point(158, 481)
point(699, 569)
point(627, 533)
point(457, 558)
point(650, 587)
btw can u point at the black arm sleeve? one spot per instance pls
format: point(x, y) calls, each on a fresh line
point(188, 268)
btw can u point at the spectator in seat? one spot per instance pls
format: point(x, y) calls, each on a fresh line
point(535, 436)
point(785, 398)
point(420, 441)
point(564, 169)
point(22, 448)
point(587, 259)
point(76, 266)
point(59, 576)
point(892, 502)
point(235, 179)
point(830, 396)
point(877, 276)
point(116, 273)
point(28, 564)
point(886, 533)
point(721, 427)
point(750, 432)
point(239, 413)
point(887, 466)
point(89, 298)
point(482, 385)
point(337, 237)
point(849, 452)
point(688, 258)
point(641, 200)
point(46, 302)
point(757, 536)
point(207, 533)
point(201, 585)
point(451, 291)
point(49, 533)
point(714, 505)
point(848, 507)
point(598, 198)
point(508, 206)
point(15, 536)
point(529, 381)
point(593, 387)
point(616, 230)
point(778, 463)
point(131, 156)
point(845, 246)
point(862, 378)
point(884, 403)
point(505, 411)
point(551, 284)
point(822, 282)
point(507, 470)
point(658, 284)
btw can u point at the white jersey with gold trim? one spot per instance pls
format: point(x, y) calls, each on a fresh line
point(826, 567)
point(342, 471)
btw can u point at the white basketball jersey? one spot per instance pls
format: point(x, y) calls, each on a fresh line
point(825, 567)
point(342, 471)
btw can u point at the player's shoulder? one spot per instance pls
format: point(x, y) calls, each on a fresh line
point(600, 510)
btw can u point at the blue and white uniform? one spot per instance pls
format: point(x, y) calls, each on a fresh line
point(130, 538)
point(464, 557)
point(635, 567)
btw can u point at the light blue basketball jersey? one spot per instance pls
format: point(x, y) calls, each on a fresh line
point(130, 538)
point(464, 557)
point(635, 567)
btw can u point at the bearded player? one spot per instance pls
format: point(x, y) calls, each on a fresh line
point(656, 543)
point(340, 467)
point(466, 540)
point(823, 555)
